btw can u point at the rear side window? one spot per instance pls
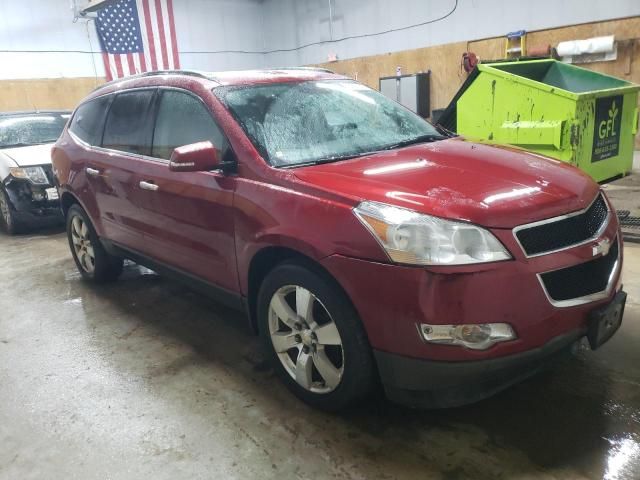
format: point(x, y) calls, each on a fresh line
point(183, 119)
point(130, 123)
point(88, 121)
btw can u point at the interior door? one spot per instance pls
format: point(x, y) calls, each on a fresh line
point(189, 215)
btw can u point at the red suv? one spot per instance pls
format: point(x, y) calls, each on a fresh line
point(364, 244)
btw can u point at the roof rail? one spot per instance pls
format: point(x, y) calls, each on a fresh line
point(313, 69)
point(154, 73)
point(194, 73)
point(212, 75)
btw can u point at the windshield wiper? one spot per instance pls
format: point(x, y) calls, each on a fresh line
point(412, 141)
point(338, 158)
point(332, 159)
point(446, 132)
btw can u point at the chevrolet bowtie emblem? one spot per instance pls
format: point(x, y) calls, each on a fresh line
point(602, 247)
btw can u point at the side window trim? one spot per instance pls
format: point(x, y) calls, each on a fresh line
point(161, 90)
point(156, 110)
point(112, 96)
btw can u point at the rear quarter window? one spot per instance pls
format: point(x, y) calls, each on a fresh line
point(88, 121)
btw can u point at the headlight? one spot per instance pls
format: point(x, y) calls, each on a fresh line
point(413, 238)
point(35, 174)
point(475, 337)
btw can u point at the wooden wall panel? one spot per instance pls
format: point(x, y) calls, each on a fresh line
point(444, 60)
point(627, 32)
point(45, 93)
point(488, 49)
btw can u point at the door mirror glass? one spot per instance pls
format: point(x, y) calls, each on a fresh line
point(196, 157)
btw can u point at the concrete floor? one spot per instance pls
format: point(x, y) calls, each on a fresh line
point(145, 379)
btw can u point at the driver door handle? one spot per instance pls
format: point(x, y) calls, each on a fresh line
point(92, 172)
point(148, 186)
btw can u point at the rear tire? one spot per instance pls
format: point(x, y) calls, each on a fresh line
point(92, 260)
point(7, 215)
point(315, 340)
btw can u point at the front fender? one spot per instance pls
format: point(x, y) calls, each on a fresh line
point(311, 224)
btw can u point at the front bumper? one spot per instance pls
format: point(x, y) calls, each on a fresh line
point(393, 300)
point(429, 384)
point(432, 384)
point(30, 203)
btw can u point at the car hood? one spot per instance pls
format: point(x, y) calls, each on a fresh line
point(499, 187)
point(28, 156)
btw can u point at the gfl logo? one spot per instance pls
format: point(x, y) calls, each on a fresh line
point(607, 127)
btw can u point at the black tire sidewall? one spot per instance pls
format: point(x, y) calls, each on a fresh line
point(107, 267)
point(357, 378)
point(11, 227)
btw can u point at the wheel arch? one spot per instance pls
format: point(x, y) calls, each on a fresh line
point(265, 260)
point(67, 200)
point(5, 163)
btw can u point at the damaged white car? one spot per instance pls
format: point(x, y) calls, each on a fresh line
point(28, 196)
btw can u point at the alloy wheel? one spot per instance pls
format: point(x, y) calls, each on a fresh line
point(82, 244)
point(306, 339)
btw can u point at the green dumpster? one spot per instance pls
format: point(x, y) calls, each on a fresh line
point(575, 115)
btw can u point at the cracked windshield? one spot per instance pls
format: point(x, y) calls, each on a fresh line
point(296, 124)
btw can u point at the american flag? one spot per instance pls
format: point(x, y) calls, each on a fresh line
point(137, 36)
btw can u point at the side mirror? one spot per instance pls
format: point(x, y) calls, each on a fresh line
point(196, 157)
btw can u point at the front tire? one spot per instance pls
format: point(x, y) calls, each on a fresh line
point(7, 215)
point(93, 261)
point(314, 337)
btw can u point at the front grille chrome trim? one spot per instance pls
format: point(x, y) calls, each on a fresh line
point(559, 218)
point(592, 297)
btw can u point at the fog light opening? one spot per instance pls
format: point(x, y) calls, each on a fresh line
point(474, 336)
point(37, 195)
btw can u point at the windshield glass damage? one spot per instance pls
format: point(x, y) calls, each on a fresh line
point(32, 129)
point(295, 124)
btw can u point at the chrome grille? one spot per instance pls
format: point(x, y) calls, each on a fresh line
point(565, 231)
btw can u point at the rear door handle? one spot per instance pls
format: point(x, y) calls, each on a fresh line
point(92, 172)
point(148, 186)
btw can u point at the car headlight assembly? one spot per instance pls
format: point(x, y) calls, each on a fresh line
point(413, 238)
point(34, 174)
